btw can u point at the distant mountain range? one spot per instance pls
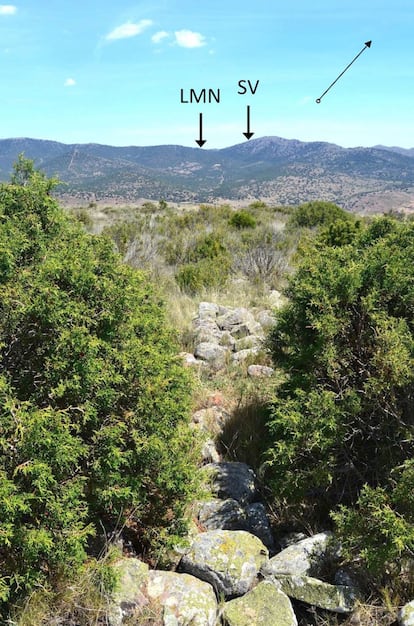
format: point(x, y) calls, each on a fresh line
point(277, 170)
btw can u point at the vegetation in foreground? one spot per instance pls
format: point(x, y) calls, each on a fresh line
point(94, 431)
point(342, 427)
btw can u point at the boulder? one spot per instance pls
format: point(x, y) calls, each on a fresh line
point(232, 480)
point(209, 452)
point(230, 515)
point(303, 558)
point(229, 560)
point(222, 515)
point(189, 360)
point(227, 340)
point(260, 371)
point(235, 318)
point(212, 353)
point(207, 310)
point(245, 330)
point(239, 357)
point(266, 319)
point(128, 597)
point(211, 420)
point(335, 598)
point(183, 599)
point(258, 524)
point(265, 605)
point(406, 615)
point(206, 331)
point(251, 341)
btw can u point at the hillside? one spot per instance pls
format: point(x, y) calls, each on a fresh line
point(277, 170)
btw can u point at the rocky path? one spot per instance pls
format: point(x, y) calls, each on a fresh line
point(234, 573)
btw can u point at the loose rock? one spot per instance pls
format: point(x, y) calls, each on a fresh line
point(265, 605)
point(303, 558)
point(228, 560)
point(183, 598)
point(214, 354)
point(260, 371)
point(133, 575)
point(335, 598)
point(232, 480)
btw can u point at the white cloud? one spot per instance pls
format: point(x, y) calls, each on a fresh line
point(70, 82)
point(7, 9)
point(129, 29)
point(158, 37)
point(189, 39)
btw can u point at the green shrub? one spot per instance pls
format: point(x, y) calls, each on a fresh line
point(242, 219)
point(94, 402)
point(317, 213)
point(194, 277)
point(207, 247)
point(342, 422)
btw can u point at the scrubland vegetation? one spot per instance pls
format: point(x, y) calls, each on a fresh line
point(95, 404)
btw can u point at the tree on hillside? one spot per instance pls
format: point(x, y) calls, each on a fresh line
point(342, 425)
point(94, 402)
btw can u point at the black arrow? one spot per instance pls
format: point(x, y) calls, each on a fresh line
point(248, 135)
point(201, 141)
point(367, 45)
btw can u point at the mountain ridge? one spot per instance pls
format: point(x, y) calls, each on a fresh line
point(282, 171)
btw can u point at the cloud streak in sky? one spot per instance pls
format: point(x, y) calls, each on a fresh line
point(129, 29)
point(158, 37)
point(7, 9)
point(189, 39)
point(69, 82)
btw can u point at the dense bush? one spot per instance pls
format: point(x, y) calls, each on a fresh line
point(317, 213)
point(342, 426)
point(242, 219)
point(207, 273)
point(94, 402)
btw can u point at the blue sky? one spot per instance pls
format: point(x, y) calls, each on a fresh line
point(111, 72)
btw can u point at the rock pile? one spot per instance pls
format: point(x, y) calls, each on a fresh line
point(232, 574)
point(223, 335)
point(227, 575)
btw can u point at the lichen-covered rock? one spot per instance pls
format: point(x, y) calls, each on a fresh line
point(132, 576)
point(335, 598)
point(232, 480)
point(303, 558)
point(406, 615)
point(227, 559)
point(260, 371)
point(183, 599)
point(265, 605)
